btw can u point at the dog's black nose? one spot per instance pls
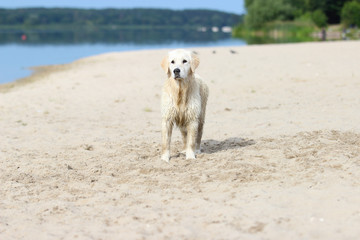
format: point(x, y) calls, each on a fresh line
point(176, 70)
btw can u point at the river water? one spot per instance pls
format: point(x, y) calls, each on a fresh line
point(21, 50)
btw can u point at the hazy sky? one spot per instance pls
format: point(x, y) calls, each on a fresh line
point(234, 6)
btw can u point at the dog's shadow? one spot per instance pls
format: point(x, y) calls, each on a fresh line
point(213, 146)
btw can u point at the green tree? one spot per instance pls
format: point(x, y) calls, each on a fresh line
point(333, 10)
point(263, 11)
point(248, 3)
point(350, 13)
point(313, 5)
point(319, 18)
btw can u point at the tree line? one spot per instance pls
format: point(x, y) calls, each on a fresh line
point(321, 12)
point(30, 17)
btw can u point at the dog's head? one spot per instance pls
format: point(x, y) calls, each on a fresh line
point(179, 64)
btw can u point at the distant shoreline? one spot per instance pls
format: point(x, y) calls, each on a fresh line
point(56, 27)
point(137, 18)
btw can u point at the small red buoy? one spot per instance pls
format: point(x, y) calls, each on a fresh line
point(23, 37)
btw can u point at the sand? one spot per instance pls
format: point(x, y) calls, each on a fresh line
point(80, 158)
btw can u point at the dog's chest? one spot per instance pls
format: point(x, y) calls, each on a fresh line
point(182, 116)
point(181, 105)
point(186, 112)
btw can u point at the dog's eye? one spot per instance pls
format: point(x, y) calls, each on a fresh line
point(172, 62)
point(184, 61)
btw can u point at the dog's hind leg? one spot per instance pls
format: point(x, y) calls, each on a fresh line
point(198, 137)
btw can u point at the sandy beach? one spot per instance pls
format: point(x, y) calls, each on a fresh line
point(80, 148)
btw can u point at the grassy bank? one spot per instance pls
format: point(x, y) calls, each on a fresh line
point(294, 31)
point(277, 32)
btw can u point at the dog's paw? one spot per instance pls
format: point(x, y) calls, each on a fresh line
point(190, 155)
point(198, 151)
point(165, 157)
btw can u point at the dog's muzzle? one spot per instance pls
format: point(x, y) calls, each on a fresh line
point(177, 73)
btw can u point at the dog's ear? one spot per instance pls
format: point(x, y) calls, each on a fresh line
point(165, 64)
point(195, 61)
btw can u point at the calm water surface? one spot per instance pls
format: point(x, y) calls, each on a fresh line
point(47, 48)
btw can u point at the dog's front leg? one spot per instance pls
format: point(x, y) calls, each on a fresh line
point(192, 129)
point(166, 132)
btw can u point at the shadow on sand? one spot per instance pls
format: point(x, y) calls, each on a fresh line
point(213, 146)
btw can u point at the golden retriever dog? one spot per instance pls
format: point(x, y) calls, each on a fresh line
point(183, 102)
